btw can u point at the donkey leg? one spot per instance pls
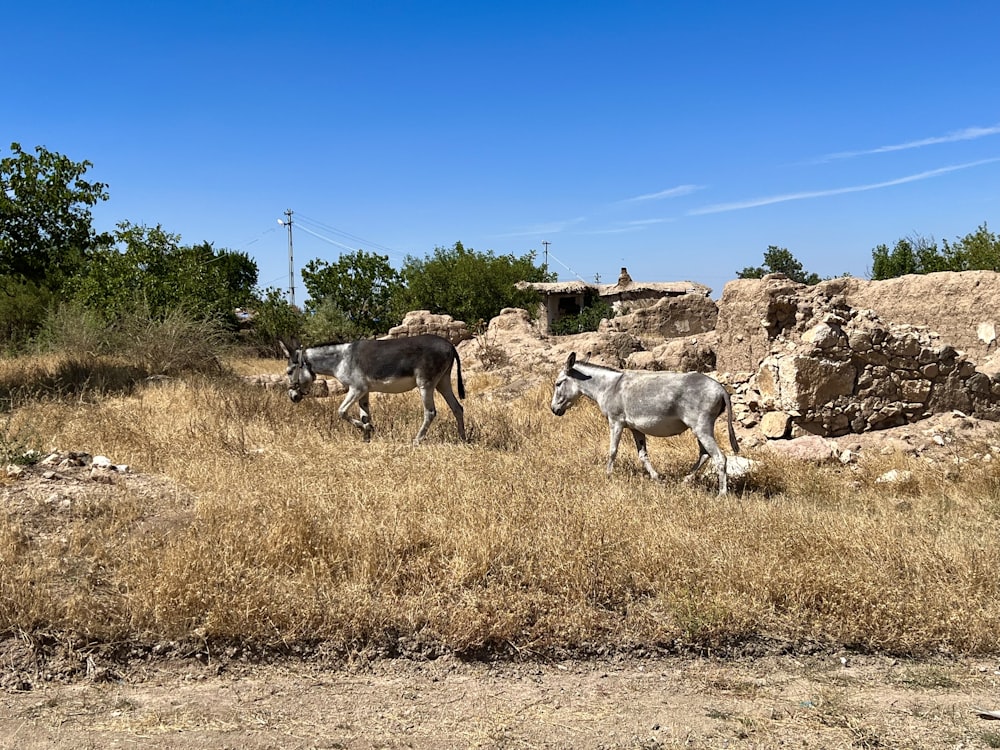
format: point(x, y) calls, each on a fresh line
point(430, 411)
point(702, 458)
point(708, 447)
point(640, 446)
point(366, 417)
point(616, 436)
point(444, 388)
point(353, 396)
point(719, 461)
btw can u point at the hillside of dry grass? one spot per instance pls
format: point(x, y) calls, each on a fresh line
point(253, 523)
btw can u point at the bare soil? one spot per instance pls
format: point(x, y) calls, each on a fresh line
point(772, 702)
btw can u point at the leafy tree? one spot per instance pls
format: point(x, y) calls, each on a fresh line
point(274, 319)
point(354, 294)
point(779, 260)
point(468, 285)
point(908, 255)
point(154, 268)
point(977, 251)
point(23, 306)
point(45, 222)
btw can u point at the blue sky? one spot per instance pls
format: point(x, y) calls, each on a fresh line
point(677, 139)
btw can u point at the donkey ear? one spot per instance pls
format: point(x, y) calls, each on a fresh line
point(570, 361)
point(284, 348)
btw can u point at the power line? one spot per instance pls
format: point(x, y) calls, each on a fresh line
point(307, 230)
point(348, 236)
point(568, 268)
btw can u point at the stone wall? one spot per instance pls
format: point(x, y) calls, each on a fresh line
point(420, 322)
point(667, 318)
point(807, 359)
point(963, 308)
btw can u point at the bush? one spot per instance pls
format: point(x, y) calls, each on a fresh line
point(589, 319)
point(75, 330)
point(274, 319)
point(330, 323)
point(168, 344)
point(176, 343)
point(22, 306)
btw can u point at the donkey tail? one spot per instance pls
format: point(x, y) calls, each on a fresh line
point(729, 420)
point(461, 385)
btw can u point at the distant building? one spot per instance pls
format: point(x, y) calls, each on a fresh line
point(563, 298)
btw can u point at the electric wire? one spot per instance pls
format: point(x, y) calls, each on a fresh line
point(552, 257)
point(347, 235)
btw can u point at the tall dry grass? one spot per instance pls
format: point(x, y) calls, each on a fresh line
point(257, 521)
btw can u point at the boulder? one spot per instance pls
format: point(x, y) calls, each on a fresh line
point(807, 448)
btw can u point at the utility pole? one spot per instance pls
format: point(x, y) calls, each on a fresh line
point(545, 265)
point(291, 263)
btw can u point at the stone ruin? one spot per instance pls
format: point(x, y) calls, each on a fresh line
point(420, 322)
point(804, 360)
point(843, 356)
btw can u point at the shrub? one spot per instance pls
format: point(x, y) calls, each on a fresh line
point(589, 319)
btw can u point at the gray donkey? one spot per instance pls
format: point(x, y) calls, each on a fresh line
point(383, 366)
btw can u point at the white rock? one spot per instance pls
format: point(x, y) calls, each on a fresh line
point(738, 466)
point(895, 476)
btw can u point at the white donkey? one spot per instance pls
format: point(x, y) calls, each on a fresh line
point(651, 403)
point(381, 365)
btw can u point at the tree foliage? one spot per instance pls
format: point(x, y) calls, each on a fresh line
point(354, 294)
point(149, 265)
point(588, 319)
point(468, 285)
point(976, 251)
point(274, 319)
point(45, 221)
point(779, 260)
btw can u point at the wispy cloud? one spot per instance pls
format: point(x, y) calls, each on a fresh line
point(767, 201)
point(629, 226)
point(966, 134)
point(552, 227)
point(674, 192)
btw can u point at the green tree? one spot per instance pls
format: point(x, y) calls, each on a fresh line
point(149, 265)
point(779, 260)
point(274, 318)
point(976, 251)
point(468, 285)
point(355, 293)
point(908, 255)
point(45, 222)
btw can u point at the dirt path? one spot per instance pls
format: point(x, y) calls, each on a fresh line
point(815, 702)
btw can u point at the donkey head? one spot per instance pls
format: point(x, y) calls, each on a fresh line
point(567, 387)
point(300, 372)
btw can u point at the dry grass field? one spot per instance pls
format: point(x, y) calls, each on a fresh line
point(253, 528)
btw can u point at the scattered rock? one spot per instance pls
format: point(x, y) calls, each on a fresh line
point(895, 476)
point(808, 448)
